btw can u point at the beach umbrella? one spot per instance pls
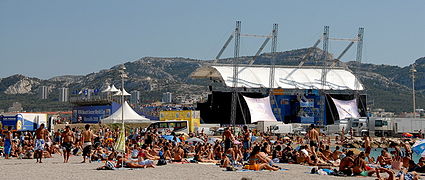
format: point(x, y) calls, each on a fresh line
point(215, 139)
point(194, 139)
point(407, 135)
point(120, 144)
point(211, 142)
point(419, 147)
point(170, 138)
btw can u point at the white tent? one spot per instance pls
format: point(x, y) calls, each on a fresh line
point(130, 116)
point(108, 88)
point(284, 77)
point(113, 89)
point(119, 93)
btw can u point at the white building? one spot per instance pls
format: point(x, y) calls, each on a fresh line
point(167, 97)
point(135, 97)
point(43, 92)
point(63, 94)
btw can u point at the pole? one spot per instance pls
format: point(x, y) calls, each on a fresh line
point(413, 70)
point(122, 108)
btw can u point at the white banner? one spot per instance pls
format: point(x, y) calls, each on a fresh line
point(260, 109)
point(346, 109)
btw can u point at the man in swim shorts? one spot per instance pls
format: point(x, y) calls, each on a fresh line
point(67, 140)
point(41, 135)
point(87, 138)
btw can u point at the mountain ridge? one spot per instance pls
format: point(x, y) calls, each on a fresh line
point(155, 75)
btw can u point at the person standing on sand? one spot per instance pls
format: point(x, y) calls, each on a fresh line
point(87, 139)
point(228, 138)
point(67, 141)
point(246, 140)
point(313, 136)
point(7, 142)
point(367, 146)
point(41, 136)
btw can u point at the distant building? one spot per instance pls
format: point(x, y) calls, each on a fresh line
point(63, 94)
point(16, 107)
point(135, 97)
point(43, 92)
point(167, 97)
point(152, 87)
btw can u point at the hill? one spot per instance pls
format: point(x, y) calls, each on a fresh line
point(388, 87)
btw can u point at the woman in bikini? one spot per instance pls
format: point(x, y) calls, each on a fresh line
point(257, 162)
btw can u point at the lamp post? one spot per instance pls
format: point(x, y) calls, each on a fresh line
point(413, 71)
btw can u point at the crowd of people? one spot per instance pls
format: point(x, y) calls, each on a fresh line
point(147, 148)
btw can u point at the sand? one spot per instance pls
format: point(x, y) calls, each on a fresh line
point(54, 168)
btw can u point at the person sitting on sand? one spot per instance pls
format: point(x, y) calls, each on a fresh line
point(402, 175)
point(391, 174)
point(360, 167)
point(179, 154)
point(327, 152)
point(109, 164)
point(142, 161)
point(123, 162)
point(383, 160)
point(199, 156)
point(256, 161)
point(347, 164)
point(336, 154)
point(166, 152)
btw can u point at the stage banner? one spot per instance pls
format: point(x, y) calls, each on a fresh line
point(260, 109)
point(346, 109)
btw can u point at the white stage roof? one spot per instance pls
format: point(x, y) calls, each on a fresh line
point(285, 77)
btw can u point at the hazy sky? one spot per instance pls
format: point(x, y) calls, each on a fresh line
point(46, 38)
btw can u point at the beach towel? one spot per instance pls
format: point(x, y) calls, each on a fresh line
point(39, 145)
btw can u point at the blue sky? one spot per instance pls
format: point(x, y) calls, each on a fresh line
point(46, 38)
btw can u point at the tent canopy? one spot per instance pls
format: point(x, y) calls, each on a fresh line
point(108, 88)
point(284, 77)
point(113, 89)
point(119, 93)
point(130, 116)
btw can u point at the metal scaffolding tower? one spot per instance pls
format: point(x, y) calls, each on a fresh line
point(236, 35)
point(272, 60)
point(235, 73)
point(325, 69)
point(359, 55)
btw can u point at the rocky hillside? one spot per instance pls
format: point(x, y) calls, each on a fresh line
point(388, 87)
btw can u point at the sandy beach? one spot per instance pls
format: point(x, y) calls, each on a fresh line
point(53, 168)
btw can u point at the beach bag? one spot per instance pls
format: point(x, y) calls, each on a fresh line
point(161, 162)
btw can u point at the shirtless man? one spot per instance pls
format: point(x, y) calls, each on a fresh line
point(41, 136)
point(367, 146)
point(179, 154)
point(67, 141)
point(228, 138)
point(313, 136)
point(87, 139)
